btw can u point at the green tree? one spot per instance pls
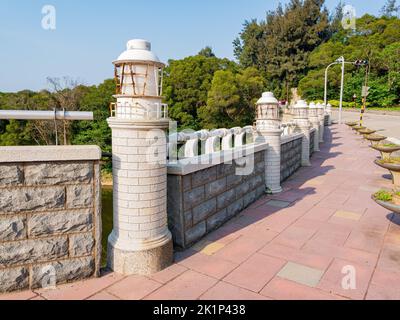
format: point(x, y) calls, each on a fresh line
point(280, 45)
point(375, 40)
point(186, 84)
point(390, 9)
point(231, 99)
point(97, 99)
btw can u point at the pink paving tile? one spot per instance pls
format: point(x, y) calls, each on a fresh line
point(226, 291)
point(240, 249)
point(382, 293)
point(296, 255)
point(259, 232)
point(103, 295)
point(331, 236)
point(81, 290)
point(335, 251)
point(169, 273)
point(133, 288)
point(23, 295)
point(188, 286)
point(282, 289)
point(319, 213)
point(278, 222)
point(292, 195)
point(225, 234)
point(366, 240)
point(243, 220)
point(389, 260)
point(311, 225)
point(210, 265)
point(384, 286)
point(392, 238)
point(336, 280)
point(254, 273)
point(294, 237)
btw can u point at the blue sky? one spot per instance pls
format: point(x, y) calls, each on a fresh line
point(90, 34)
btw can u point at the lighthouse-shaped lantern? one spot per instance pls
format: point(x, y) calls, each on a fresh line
point(138, 77)
point(140, 242)
point(267, 110)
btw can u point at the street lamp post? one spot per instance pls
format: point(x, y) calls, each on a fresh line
point(341, 90)
point(326, 81)
point(341, 61)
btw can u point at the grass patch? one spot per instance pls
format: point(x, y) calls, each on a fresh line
point(389, 145)
point(383, 195)
point(395, 160)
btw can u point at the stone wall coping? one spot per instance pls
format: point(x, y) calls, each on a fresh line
point(291, 137)
point(48, 153)
point(189, 165)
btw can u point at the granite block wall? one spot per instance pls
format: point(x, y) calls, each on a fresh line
point(201, 201)
point(312, 137)
point(50, 223)
point(290, 157)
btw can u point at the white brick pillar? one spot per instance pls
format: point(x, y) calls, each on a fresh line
point(314, 120)
point(300, 111)
point(268, 130)
point(321, 118)
point(329, 112)
point(140, 242)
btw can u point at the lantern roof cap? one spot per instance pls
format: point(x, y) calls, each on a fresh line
point(138, 50)
point(301, 104)
point(266, 98)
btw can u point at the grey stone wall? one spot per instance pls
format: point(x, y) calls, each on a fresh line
point(326, 120)
point(50, 223)
point(312, 137)
point(201, 201)
point(290, 157)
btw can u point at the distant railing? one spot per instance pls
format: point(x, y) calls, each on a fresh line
point(186, 144)
point(288, 128)
point(54, 115)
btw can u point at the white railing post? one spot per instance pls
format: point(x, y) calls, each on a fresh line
point(314, 120)
point(303, 125)
point(268, 128)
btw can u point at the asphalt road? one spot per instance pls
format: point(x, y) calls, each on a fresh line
point(388, 125)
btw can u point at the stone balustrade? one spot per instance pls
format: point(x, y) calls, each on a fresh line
point(288, 128)
point(214, 140)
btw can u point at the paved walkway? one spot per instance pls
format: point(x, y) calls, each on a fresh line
point(299, 244)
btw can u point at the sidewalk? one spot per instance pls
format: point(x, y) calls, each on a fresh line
point(289, 246)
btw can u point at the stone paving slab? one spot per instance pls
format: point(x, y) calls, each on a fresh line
point(300, 244)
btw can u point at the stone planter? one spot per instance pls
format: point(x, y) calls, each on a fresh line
point(386, 151)
point(374, 139)
point(394, 167)
point(357, 128)
point(388, 205)
point(366, 131)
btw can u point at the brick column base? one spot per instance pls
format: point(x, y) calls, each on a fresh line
point(140, 242)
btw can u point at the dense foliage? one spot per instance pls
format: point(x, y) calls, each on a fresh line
point(376, 40)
